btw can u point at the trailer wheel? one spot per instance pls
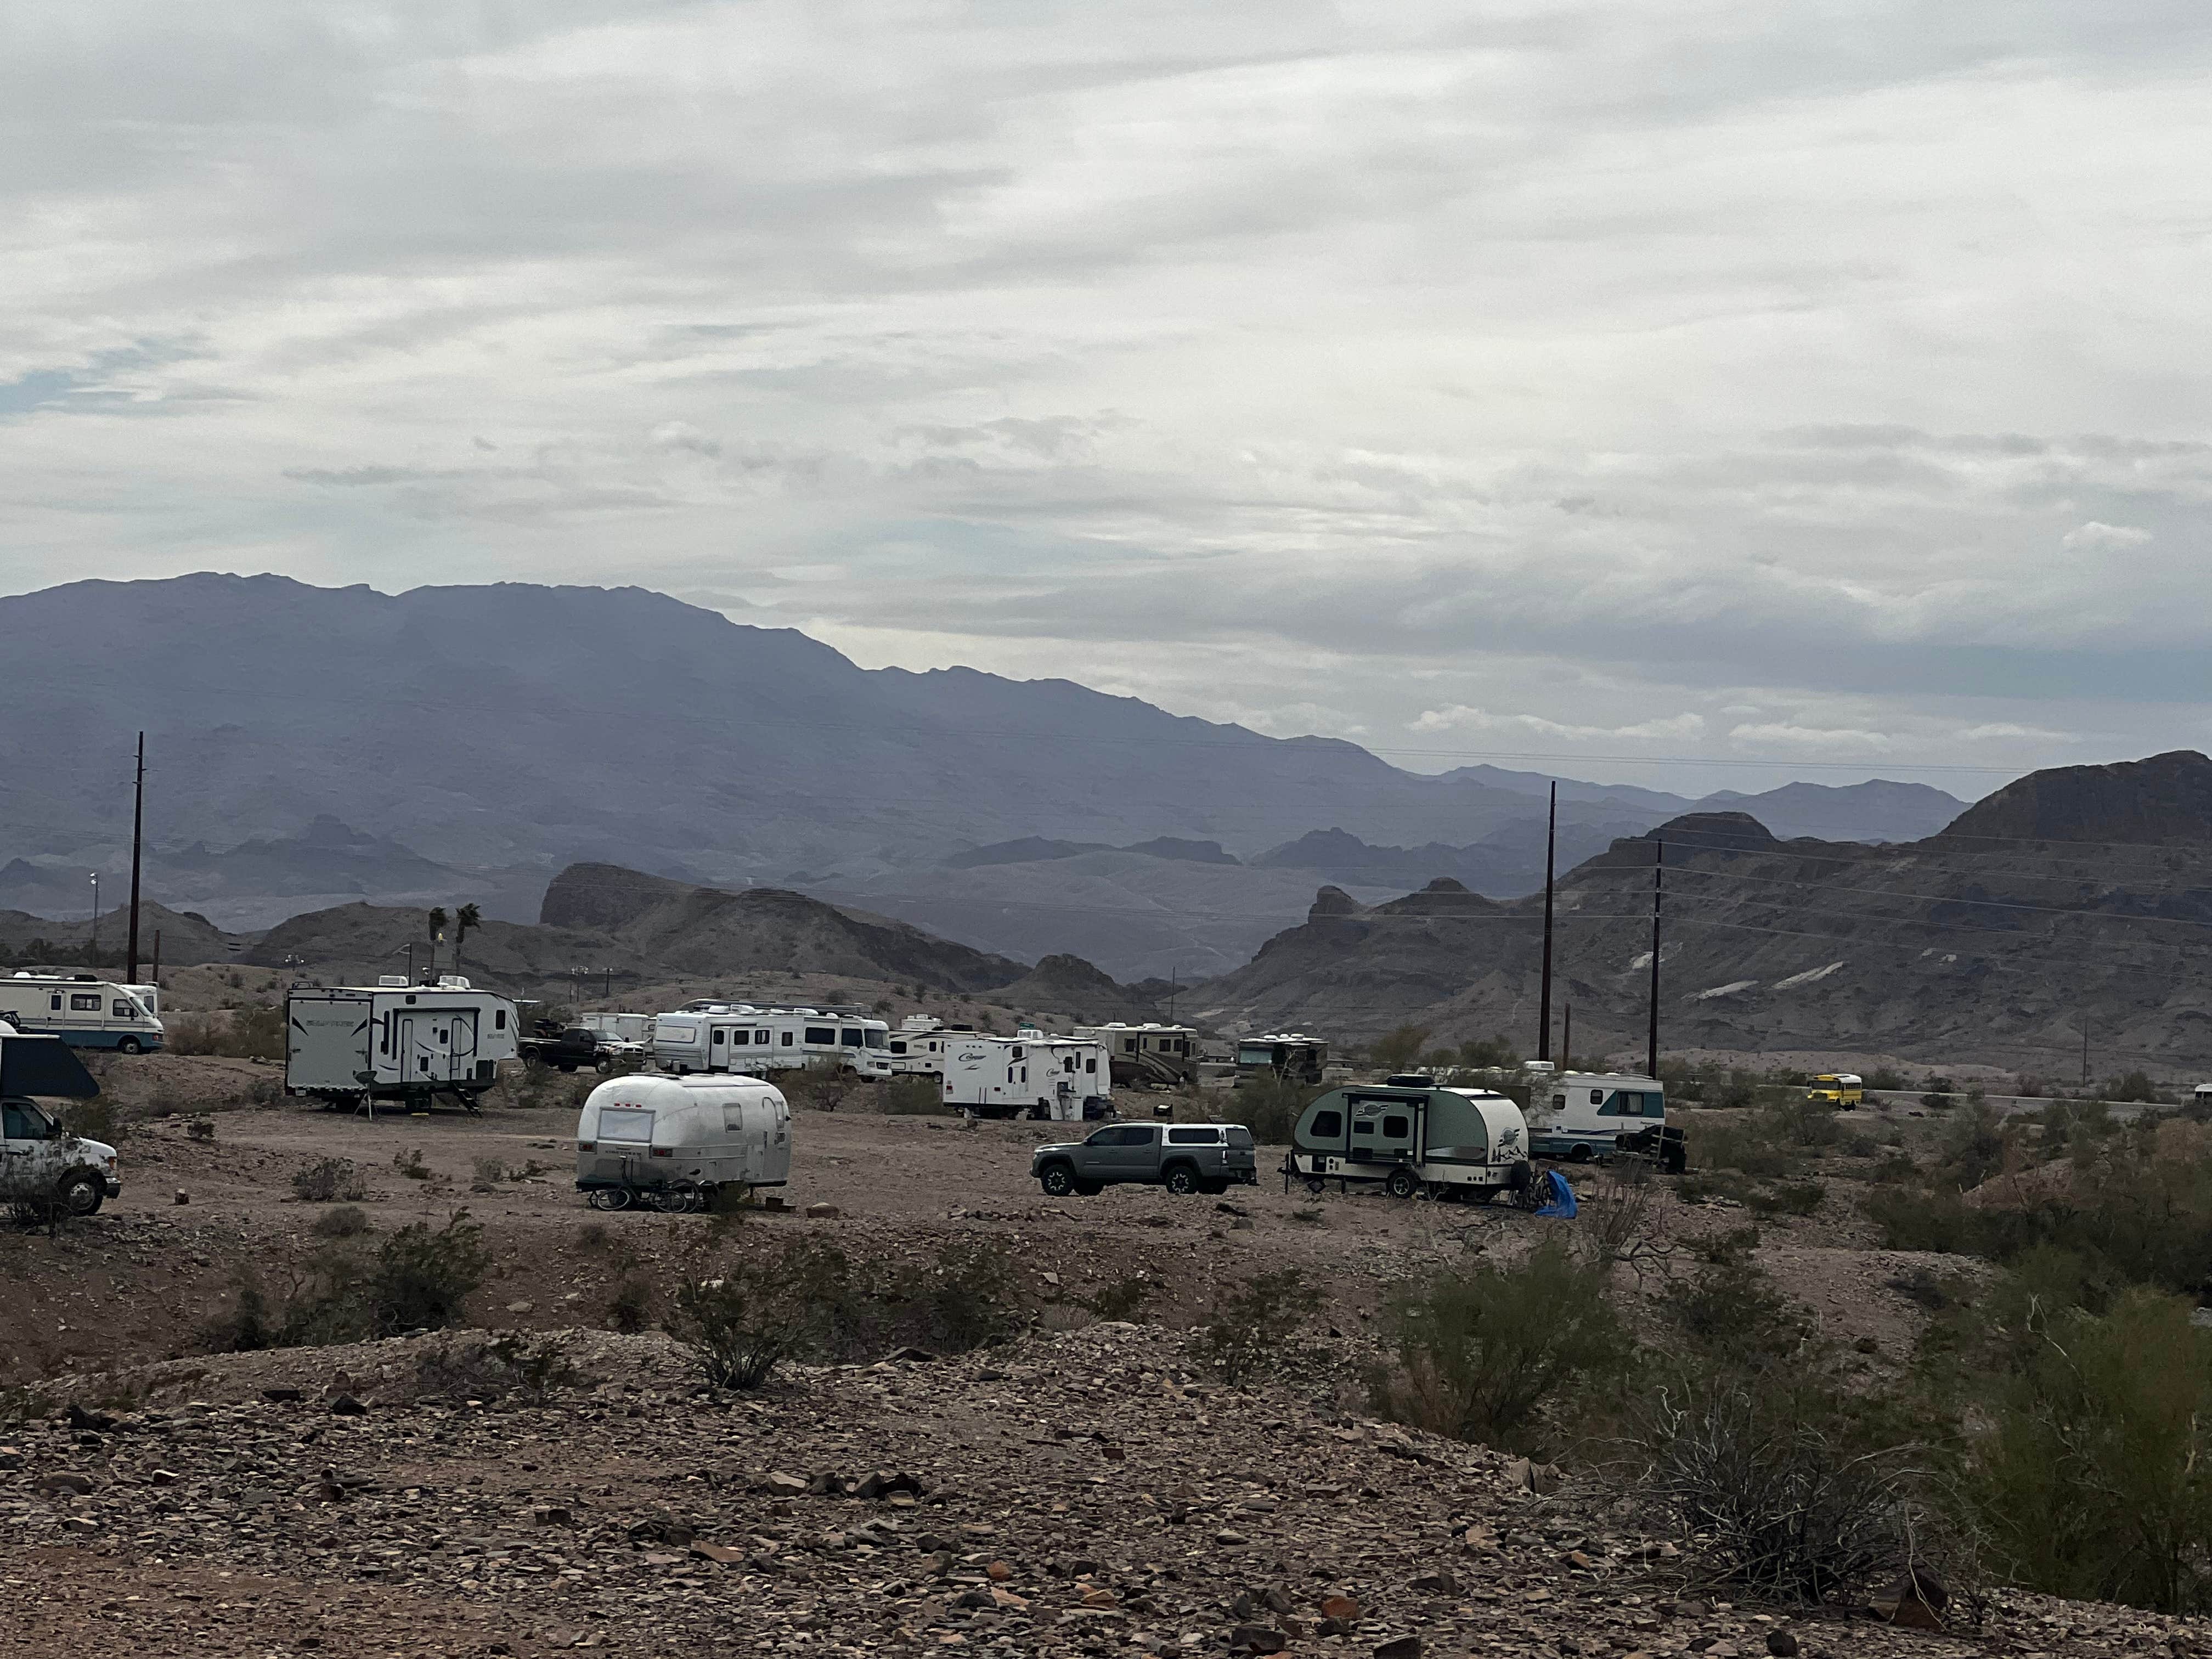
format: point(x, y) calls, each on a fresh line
point(1400, 1183)
point(130, 1045)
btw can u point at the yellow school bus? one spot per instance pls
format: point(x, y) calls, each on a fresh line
point(1838, 1088)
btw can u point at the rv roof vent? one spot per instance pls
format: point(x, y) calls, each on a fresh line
point(1538, 1065)
point(392, 981)
point(454, 982)
point(1409, 1080)
point(88, 979)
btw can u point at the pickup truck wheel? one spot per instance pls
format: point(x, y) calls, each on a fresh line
point(1400, 1183)
point(82, 1192)
point(1181, 1181)
point(1057, 1180)
point(603, 1067)
point(131, 1046)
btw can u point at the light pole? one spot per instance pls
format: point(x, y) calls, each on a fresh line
point(94, 962)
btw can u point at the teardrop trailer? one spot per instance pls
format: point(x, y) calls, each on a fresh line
point(673, 1143)
point(1459, 1143)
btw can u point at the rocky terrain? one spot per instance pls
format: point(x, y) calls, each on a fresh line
point(1968, 946)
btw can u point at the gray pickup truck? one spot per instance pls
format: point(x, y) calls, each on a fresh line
point(1183, 1158)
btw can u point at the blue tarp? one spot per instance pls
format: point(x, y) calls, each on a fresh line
point(1558, 1197)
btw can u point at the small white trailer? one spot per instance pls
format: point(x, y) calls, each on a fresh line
point(738, 1036)
point(1029, 1074)
point(396, 1043)
point(671, 1143)
point(1409, 1136)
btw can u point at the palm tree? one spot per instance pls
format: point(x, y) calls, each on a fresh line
point(436, 920)
point(466, 917)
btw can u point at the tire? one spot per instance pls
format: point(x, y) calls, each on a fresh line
point(1580, 1155)
point(603, 1067)
point(1180, 1180)
point(131, 1046)
point(1401, 1182)
point(82, 1192)
point(1057, 1180)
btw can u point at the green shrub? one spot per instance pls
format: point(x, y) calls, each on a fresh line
point(247, 1325)
point(1247, 1329)
point(918, 1094)
point(1729, 1308)
point(1482, 1352)
point(96, 1119)
point(963, 1299)
point(2094, 1477)
point(342, 1221)
point(1395, 1050)
point(739, 1328)
point(1269, 1106)
point(328, 1179)
point(629, 1307)
point(422, 1276)
point(1788, 1198)
point(409, 1163)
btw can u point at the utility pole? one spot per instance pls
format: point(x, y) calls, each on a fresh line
point(2085, 1051)
point(1658, 892)
point(138, 849)
point(1175, 990)
point(1544, 988)
point(157, 958)
point(1567, 1037)
point(95, 920)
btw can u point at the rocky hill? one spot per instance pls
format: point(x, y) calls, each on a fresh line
point(1963, 946)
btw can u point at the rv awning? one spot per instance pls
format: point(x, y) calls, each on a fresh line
point(43, 1066)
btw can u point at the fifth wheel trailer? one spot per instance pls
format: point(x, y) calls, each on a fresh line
point(398, 1044)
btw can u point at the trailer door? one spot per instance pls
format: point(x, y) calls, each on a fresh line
point(461, 1046)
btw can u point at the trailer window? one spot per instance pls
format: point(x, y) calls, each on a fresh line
point(824, 1035)
point(1362, 1125)
point(1596, 1095)
point(717, 1040)
point(1092, 1064)
point(499, 1019)
point(787, 1039)
point(762, 1039)
point(83, 1002)
point(1397, 1128)
point(625, 1123)
point(1327, 1126)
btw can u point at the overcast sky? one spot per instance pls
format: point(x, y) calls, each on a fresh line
point(1783, 381)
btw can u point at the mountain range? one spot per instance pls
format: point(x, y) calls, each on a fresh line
point(310, 745)
point(2076, 897)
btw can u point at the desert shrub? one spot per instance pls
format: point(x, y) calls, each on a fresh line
point(1912, 1218)
point(1769, 1497)
point(1787, 1198)
point(2093, 1477)
point(247, 1325)
point(1485, 1053)
point(740, 1327)
point(594, 1235)
point(1482, 1352)
point(422, 1275)
point(1749, 1147)
point(342, 1221)
point(1396, 1050)
point(487, 1172)
point(1269, 1106)
point(253, 1032)
point(1886, 1079)
point(328, 1179)
point(1122, 1299)
point(1247, 1328)
point(916, 1095)
point(822, 1087)
point(96, 1119)
point(2133, 1086)
point(1621, 1226)
point(1728, 1310)
point(494, 1368)
point(630, 1305)
point(965, 1298)
point(409, 1163)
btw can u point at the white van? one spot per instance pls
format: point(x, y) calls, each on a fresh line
point(671, 1142)
point(83, 1011)
point(40, 1160)
point(1580, 1115)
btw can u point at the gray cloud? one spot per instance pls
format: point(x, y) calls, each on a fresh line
point(1735, 380)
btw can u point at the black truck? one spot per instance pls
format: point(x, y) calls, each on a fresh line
point(571, 1048)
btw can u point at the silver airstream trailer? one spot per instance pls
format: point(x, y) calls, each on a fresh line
point(1454, 1143)
point(671, 1143)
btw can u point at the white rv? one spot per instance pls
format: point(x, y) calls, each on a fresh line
point(1409, 1136)
point(362, 1045)
point(1152, 1053)
point(671, 1142)
point(1028, 1074)
point(738, 1036)
point(1580, 1115)
point(83, 1011)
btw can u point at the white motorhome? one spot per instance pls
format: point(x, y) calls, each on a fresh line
point(671, 1142)
point(738, 1036)
point(1150, 1052)
point(83, 1012)
point(1028, 1074)
point(622, 1027)
point(361, 1046)
point(1581, 1116)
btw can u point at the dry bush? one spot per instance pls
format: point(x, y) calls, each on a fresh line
point(342, 1221)
point(328, 1179)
